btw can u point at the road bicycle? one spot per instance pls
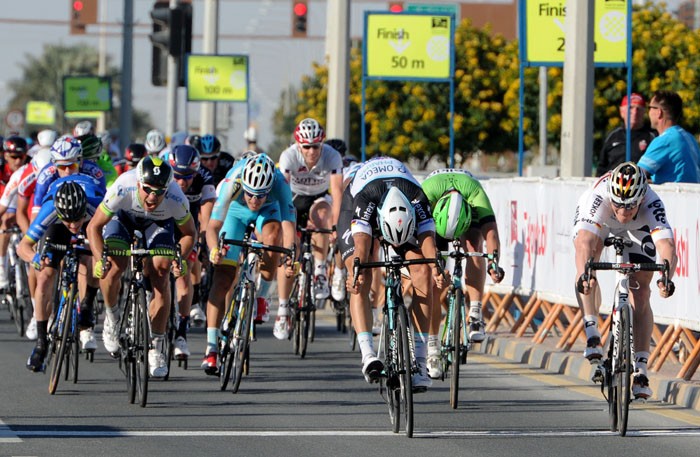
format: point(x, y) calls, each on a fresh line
point(135, 324)
point(63, 333)
point(302, 303)
point(237, 328)
point(16, 297)
point(396, 341)
point(616, 370)
point(454, 337)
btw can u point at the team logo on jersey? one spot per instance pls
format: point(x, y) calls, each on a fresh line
point(302, 169)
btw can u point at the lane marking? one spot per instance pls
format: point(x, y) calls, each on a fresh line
point(7, 435)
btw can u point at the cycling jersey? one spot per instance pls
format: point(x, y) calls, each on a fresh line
point(49, 174)
point(371, 183)
point(441, 181)
point(9, 194)
point(104, 161)
point(94, 190)
point(124, 196)
point(314, 181)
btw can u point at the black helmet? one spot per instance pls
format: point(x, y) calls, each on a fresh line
point(134, 153)
point(338, 144)
point(15, 144)
point(154, 171)
point(70, 202)
point(92, 146)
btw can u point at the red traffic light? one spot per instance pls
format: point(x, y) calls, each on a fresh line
point(396, 7)
point(78, 5)
point(300, 8)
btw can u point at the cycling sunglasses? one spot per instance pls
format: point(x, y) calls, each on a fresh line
point(183, 177)
point(311, 146)
point(68, 166)
point(625, 205)
point(154, 190)
point(258, 196)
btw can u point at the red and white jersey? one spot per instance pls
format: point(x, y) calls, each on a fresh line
point(314, 181)
point(9, 195)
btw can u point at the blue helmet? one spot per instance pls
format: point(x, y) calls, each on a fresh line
point(184, 159)
point(206, 144)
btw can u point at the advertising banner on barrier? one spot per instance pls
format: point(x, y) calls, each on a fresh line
point(535, 221)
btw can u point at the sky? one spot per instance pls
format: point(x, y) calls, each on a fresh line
point(257, 28)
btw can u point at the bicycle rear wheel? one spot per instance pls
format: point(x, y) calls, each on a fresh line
point(405, 365)
point(455, 346)
point(624, 373)
point(63, 323)
point(141, 346)
point(241, 339)
point(74, 357)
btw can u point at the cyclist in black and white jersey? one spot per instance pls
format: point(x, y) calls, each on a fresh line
point(621, 203)
point(313, 170)
point(385, 200)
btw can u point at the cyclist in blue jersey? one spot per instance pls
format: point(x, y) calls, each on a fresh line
point(65, 210)
point(254, 191)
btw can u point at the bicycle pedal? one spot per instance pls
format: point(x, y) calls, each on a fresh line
point(598, 375)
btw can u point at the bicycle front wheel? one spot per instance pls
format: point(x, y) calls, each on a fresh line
point(405, 364)
point(241, 339)
point(623, 372)
point(63, 323)
point(141, 346)
point(455, 345)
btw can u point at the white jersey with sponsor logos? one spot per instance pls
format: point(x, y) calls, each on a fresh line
point(123, 195)
point(595, 214)
point(380, 168)
point(315, 181)
point(9, 195)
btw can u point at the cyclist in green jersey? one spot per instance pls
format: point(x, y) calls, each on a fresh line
point(462, 209)
point(92, 150)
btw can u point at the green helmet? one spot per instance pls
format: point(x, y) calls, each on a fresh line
point(452, 215)
point(92, 146)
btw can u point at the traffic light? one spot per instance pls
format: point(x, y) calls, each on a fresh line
point(82, 12)
point(300, 10)
point(172, 35)
point(396, 7)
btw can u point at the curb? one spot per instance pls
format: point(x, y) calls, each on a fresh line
point(675, 391)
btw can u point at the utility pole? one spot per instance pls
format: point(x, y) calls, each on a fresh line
point(337, 56)
point(125, 118)
point(173, 81)
point(207, 121)
point(102, 59)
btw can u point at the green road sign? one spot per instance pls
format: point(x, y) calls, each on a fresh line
point(40, 113)
point(546, 34)
point(434, 8)
point(408, 46)
point(217, 78)
point(87, 93)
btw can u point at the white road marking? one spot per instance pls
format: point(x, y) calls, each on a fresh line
point(8, 435)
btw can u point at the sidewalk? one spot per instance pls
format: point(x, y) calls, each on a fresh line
point(667, 388)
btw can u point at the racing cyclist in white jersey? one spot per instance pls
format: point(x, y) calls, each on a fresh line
point(313, 170)
point(621, 203)
point(145, 199)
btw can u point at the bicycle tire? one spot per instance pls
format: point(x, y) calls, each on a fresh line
point(305, 318)
point(455, 345)
point(241, 339)
point(63, 323)
point(141, 346)
point(24, 300)
point(624, 374)
point(405, 365)
point(75, 351)
point(387, 352)
point(312, 325)
point(169, 340)
point(610, 388)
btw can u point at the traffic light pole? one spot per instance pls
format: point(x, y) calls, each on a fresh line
point(125, 118)
point(173, 79)
point(207, 115)
point(337, 53)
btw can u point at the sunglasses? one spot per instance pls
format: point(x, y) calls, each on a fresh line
point(15, 157)
point(258, 196)
point(311, 146)
point(209, 158)
point(68, 166)
point(625, 205)
point(183, 177)
point(70, 221)
point(153, 190)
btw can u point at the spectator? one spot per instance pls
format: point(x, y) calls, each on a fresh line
point(614, 150)
point(673, 156)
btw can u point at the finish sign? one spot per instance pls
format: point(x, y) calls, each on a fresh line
point(217, 78)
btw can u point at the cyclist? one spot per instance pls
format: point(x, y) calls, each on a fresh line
point(312, 170)
point(132, 156)
point(385, 200)
point(621, 203)
point(254, 191)
point(197, 184)
point(218, 163)
point(92, 150)
point(65, 210)
point(155, 142)
point(145, 199)
point(462, 210)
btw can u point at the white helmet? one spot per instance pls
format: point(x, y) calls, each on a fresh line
point(258, 174)
point(46, 137)
point(309, 131)
point(83, 128)
point(41, 159)
point(66, 149)
point(155, 141)
point(397, 218)
point(250, 135)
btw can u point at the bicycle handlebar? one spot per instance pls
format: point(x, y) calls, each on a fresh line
point(256, 245)
point(315, 230)
point(461, 254)
point(395, 262)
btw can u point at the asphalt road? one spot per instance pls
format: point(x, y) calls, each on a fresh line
point(318, 406)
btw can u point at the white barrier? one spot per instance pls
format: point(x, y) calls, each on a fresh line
point(535, 220)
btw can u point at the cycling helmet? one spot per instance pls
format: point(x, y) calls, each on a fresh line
point(66, 149)
point(92, 146)
point(397, 218)
point(134, 153)
point(154, 171)
point(184, 159)
point(178, 138)
point(46, 137)
point(15, 145)
point(70, 202)
point(155, 141)
point(41, 159)
point(627, 184)
point(339, 145)
point(452, 215)
point(258, 174)
point(208, 145)
point(309, 131)
point(250, 135)
point(83, 128)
